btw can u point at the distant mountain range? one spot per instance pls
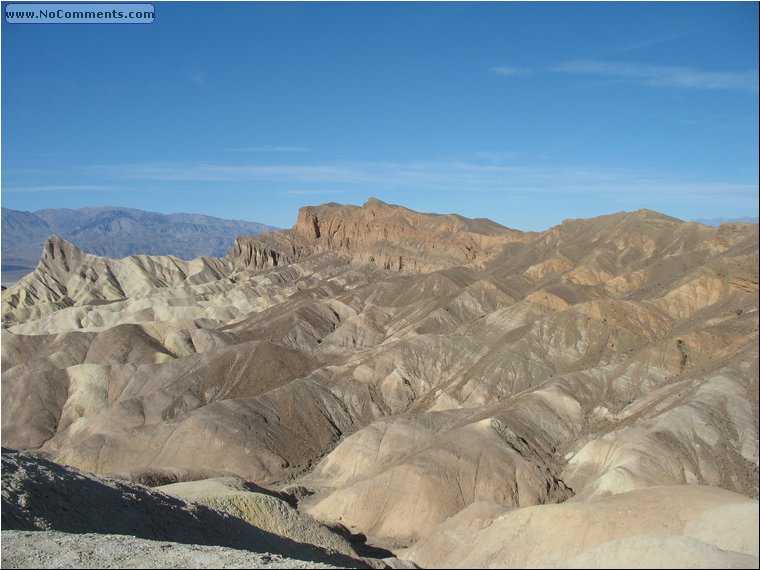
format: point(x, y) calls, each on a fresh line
point(718, 221)
point(115, 233)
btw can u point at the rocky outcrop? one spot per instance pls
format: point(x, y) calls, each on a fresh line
point(391, 237)
point(268, 250)
point(66, 276)
point(400, 239)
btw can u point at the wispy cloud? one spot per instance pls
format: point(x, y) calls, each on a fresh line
point(654, 40)
point(269, 149)
point(62, 188)
point(663, 76)
point(509, 70)
point(474, 178)
point(210, 172)
point(497, 156)
point(196, 77)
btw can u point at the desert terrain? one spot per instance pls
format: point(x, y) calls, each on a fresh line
point(382, 387)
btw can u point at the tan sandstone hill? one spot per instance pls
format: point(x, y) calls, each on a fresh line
point(662, 527)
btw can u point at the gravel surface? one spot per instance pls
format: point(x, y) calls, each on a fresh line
point(53, 549)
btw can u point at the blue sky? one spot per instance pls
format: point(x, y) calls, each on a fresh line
point(523, 113)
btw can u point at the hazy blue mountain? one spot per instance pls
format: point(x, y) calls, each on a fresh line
point(115, 232)
point(719, 221)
